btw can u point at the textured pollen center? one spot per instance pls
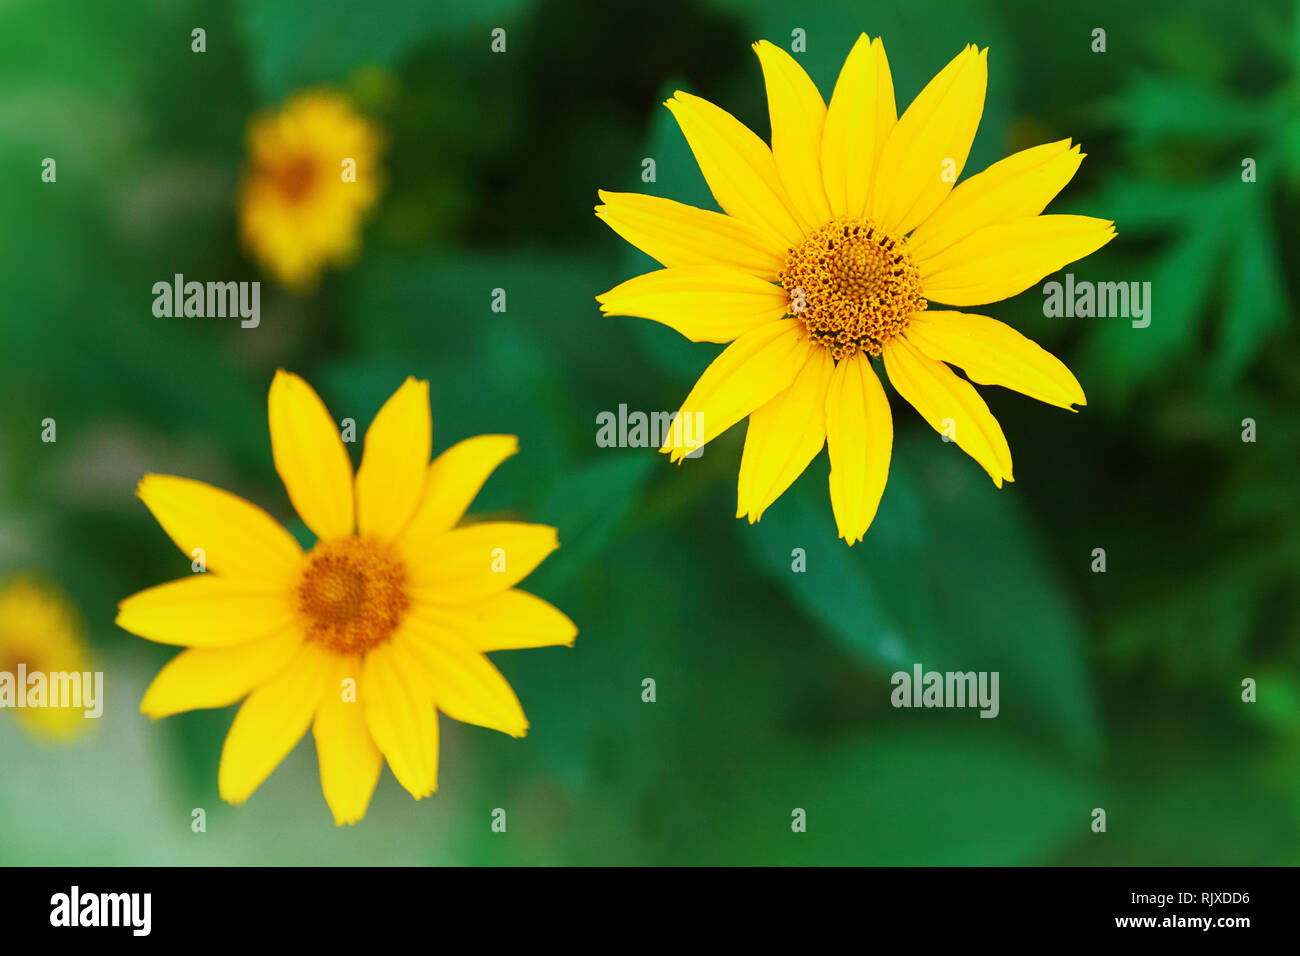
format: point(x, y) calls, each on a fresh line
point(352, 594)
point(852, 285)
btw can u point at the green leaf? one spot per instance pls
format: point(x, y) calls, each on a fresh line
point(589, 505)
point(949, 576)
point(1256, 293)
point(1118, 356)
point(1154, 109)
point(847, 590)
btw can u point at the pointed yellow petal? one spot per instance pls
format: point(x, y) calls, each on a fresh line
point(750, 372)
point(479, 560)
point(797, 112)
point(453, 481)
point(680, 235)
point(705, 304)
point(401, 717)
point(858, 122)
point(784, 436)
point(395, 462)
point(926, 151)
point(738, 167)
point(237, 538)
point(506, 621)
point(992, 353)
point(206, 611)
point(310, 457)
point(271, 721)
point(1002, 260)
point(951, 406)
point(205, 677)
point(1016, 187)
point(349, 760)
point(467, 687)
point(859, 440)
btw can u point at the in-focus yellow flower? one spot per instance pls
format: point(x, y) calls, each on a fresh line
point(831, 247)
point(41, 631)
point(385, 619)
point(311, 177)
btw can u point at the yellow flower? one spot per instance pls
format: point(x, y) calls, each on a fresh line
point(832, 246)
point(385, 619)
point(311, 177)
point(40, 630)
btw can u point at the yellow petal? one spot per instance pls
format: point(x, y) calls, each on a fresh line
point(992, 353)
point(310, 457)
point(680, 235)
point(453, 481)
point(204, 677)
point(205, 610)
point(951, 406)
point(467, 687)
point(784, 436)
point(797, 112)
point(703, 303)
point(479, 560)
point(859, 440)
point(349, 760)
point(926, 151)
point(237, 538)
point(1001, 260)
point(395, 462)
point(738, 167)
point(401, 718)
point(750, 372)
point(858, 122)
point(1020, 185)
point(506, 621)
point(271, 721)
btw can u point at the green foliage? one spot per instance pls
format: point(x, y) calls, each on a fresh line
point(295, 43)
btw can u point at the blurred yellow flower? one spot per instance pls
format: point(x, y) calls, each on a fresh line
point(41, 633)
point(312, 175)
point(831, 246)
point(366, 636)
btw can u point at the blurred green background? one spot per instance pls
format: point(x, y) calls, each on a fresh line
point(1119, 690)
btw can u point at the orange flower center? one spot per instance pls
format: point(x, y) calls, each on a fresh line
point(293, 178)
point(852, 285)
point(352, 594)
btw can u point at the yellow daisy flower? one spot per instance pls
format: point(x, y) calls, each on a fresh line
point(312, 176)
point(42, 632)
point(384, 621)
point(832, 245)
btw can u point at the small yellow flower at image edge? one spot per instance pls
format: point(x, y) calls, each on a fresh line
point(832, 246)
point(311, 176)
point(41, 630)
point(365, 636)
